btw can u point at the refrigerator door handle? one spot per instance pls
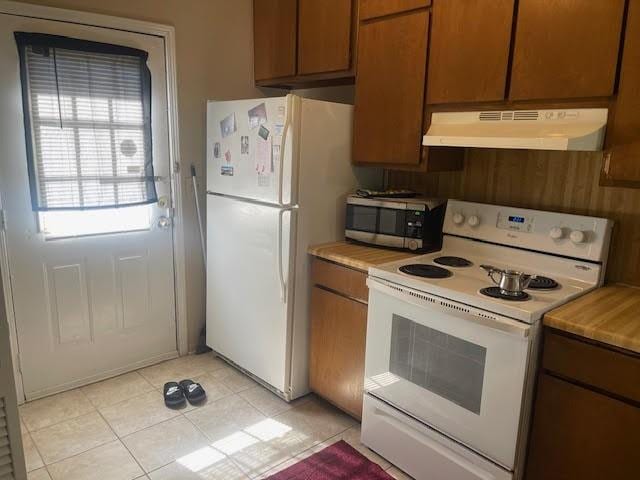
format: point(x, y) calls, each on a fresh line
point(285, 132)
point(283, 284)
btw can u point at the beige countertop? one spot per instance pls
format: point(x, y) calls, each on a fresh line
point(610, 314)
point(357, 256)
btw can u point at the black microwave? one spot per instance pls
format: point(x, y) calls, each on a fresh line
point(408, 223)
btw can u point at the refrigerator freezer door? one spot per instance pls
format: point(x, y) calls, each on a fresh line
point(245, 143)
point(247, 297)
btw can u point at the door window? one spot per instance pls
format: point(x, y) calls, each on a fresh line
point(63, 224)
point(441, 363)
point(87, 108)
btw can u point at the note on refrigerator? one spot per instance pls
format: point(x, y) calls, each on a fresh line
point(263, 156)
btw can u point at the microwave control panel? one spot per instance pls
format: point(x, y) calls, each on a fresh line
point(414, 223)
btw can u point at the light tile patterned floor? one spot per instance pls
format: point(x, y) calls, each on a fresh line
point(120, 429)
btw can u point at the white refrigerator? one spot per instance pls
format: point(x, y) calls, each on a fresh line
point(278, 172)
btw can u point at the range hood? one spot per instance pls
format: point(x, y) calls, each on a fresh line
point(577, 129)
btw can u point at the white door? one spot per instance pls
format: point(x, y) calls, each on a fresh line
point(248, 141)
point(457, 369)
point(248, 287)
point(93, 290)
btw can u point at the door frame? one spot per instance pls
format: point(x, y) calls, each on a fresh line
point(167, 33)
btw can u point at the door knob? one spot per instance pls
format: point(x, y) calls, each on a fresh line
point(164, 222)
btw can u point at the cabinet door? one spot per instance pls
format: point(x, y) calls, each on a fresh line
point(324, 36)
point(469, 50)
point(390, 85)
point(566, 48)
point(622, 160)
point(581, 434)
point(274, 38)
point(338, 332)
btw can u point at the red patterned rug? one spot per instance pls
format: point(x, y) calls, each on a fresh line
point(340, 461)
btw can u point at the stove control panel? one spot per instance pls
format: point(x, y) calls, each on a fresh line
point(517, 223)
point(564, 234)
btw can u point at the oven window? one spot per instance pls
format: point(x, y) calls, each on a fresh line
point(443, 364)
point(362, 219)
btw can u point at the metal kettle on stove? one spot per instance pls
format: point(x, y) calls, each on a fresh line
point(511, 282)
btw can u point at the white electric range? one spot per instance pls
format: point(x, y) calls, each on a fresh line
point(450, 360)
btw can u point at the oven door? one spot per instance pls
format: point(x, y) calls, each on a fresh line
point(454, 368)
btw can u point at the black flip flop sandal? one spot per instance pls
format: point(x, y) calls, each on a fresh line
point(173, 395)
point(193, 391)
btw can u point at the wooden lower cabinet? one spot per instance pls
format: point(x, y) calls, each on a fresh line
point(580, 430)
point(338, 333)
point(581, 434)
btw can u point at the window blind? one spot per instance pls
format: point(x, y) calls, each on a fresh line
point(87, 109)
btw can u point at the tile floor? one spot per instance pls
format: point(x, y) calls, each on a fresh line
point(119, 429)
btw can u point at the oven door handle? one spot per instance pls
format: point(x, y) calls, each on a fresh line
point(460, 310)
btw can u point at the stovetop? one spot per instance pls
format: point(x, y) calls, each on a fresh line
point(463, 281)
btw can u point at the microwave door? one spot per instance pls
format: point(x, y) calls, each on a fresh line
point(376, 225)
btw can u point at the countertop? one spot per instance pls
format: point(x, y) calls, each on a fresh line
point(610, 314)
point(357, 256)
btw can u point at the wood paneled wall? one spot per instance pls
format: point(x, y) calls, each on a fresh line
point(556, 181)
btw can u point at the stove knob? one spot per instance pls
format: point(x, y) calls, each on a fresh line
point(473, 221)
point(458, 218)
point(556, 233)
point(413, 245)
point(578, 236)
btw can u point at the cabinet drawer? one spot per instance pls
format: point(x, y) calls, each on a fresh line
point(347, 281)
point(609, 370)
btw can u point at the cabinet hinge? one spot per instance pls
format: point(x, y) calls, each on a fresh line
point(3, 221)
point(176, 167)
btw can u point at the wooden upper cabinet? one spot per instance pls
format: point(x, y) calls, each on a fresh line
point(469, 50)
point(390, 85)
point(274, 42)
point(566, 49)
point(380, 8)
point(622, 158)
point(324, 35)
